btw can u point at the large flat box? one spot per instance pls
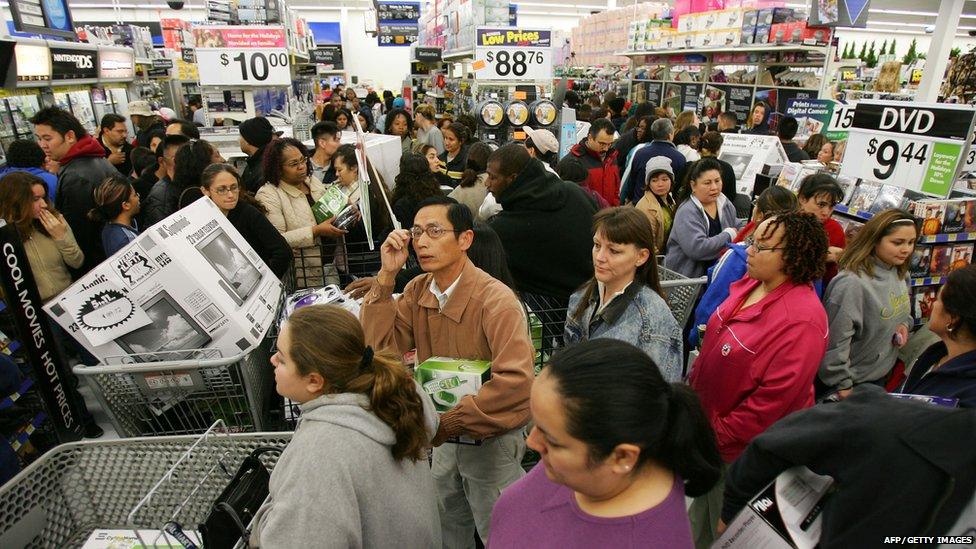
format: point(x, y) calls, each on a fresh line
point(190, 282)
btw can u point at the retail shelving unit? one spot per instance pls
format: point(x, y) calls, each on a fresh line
point(748, 69)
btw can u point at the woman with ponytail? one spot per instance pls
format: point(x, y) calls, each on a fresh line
point(355, 473)
point(620, 448)
point(116, 205)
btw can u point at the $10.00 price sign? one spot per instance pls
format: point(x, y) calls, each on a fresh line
point(513, 54)
point(244, 67)
point(916, 146)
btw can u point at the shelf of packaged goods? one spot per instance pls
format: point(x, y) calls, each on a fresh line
point(928, 281)
point(946, 237)
point(859, 214)
point(762, 48)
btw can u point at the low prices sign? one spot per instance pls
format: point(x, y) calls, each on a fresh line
point(915, 146)
point(244, 67)
point(513, 54)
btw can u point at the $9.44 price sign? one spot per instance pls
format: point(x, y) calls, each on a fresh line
point(915, 146)
point(513, 54)
point(244, 67)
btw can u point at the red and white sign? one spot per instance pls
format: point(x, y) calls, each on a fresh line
point(239, 36)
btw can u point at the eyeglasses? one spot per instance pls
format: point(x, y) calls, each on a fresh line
point(760, 248)
point(227, 190)
point(295, 164)
point(433, 231)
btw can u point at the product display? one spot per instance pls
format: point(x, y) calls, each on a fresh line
point(448, 380)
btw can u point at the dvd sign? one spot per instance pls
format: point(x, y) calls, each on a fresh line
point(72, 64)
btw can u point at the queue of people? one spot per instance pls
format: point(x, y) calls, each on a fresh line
point(624, 426)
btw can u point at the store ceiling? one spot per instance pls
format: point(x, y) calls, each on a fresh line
point(892, 16)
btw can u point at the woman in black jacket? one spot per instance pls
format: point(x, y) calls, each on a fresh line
point(455, 155)
point(948, 368)
point(222, 184)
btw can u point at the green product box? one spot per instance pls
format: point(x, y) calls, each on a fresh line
point(330, 204)
point(448, 380)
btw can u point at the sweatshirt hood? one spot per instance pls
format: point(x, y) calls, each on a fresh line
point(86, 147)
point(535, 186)
point(349, 410)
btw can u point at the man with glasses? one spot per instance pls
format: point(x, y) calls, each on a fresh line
point(818, 194)
point(325, 135)
point(163, 192)
point(457, 310)
point(113, 134)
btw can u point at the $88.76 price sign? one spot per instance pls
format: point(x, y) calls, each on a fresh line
point(915, 146)
point(244, 67)
point(513, 54)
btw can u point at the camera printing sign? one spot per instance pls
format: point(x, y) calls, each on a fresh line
point(915, 146)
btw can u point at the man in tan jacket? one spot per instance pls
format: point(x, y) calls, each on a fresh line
point(457, 310)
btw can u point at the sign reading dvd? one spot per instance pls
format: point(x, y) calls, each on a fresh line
point(117, 64)
point(916, 146)
point(513, 54)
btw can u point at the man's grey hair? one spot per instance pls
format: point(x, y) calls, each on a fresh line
point(661, 129)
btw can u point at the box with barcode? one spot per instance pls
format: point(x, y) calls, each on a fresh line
point(448, 380)
point(188, 287)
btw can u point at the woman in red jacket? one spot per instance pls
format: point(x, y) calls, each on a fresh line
point(762, 346)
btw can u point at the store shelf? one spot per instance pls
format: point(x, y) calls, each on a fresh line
point(459, 55)
point(749, 49)
point(859, 214)
point(928, 281)
point(946, 237)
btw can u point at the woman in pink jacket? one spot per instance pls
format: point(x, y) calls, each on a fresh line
point(762, 346)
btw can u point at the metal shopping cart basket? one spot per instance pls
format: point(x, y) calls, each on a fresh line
point(680, 292)
point(185, 394)
point(139, 483)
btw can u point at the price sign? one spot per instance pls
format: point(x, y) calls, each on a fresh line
point(916, 146)
point(513, 54)
point(970, 165)
point(244, 67)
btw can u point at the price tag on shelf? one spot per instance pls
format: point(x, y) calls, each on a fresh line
point(916, 146)
point(513, 54)
point(244, 67)
point(970, 161)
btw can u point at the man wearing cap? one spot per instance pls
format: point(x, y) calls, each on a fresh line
point(600, 160)
point(256, 133)
point(144, 121)
point(543, 146)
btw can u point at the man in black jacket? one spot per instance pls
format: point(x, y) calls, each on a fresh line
point(163, 198)
point(787, 131)
point(256, 133)
point(83, 167)
point(544, 224)
point(113, 136)
point(901, 468)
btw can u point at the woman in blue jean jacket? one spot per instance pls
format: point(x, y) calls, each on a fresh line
point(623, 300)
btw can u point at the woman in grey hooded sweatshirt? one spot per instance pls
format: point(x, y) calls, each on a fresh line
point(868, 306)
point(355, 474)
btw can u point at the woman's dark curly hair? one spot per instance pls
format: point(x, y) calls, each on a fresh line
point(392, 116)
point(415, 182)
point(804, 245)
point(191, 159)
point(274, 156)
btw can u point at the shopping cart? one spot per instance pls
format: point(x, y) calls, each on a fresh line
point(680, 292)
point(139, 483)
point(185, 393)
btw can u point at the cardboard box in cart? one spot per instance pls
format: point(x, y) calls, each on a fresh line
point(189, 282)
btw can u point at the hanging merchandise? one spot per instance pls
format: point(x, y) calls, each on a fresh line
point(544, 112)
point(517, 113)
point(491, 113)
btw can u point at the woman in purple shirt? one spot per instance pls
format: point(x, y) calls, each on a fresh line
point(620, 449)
